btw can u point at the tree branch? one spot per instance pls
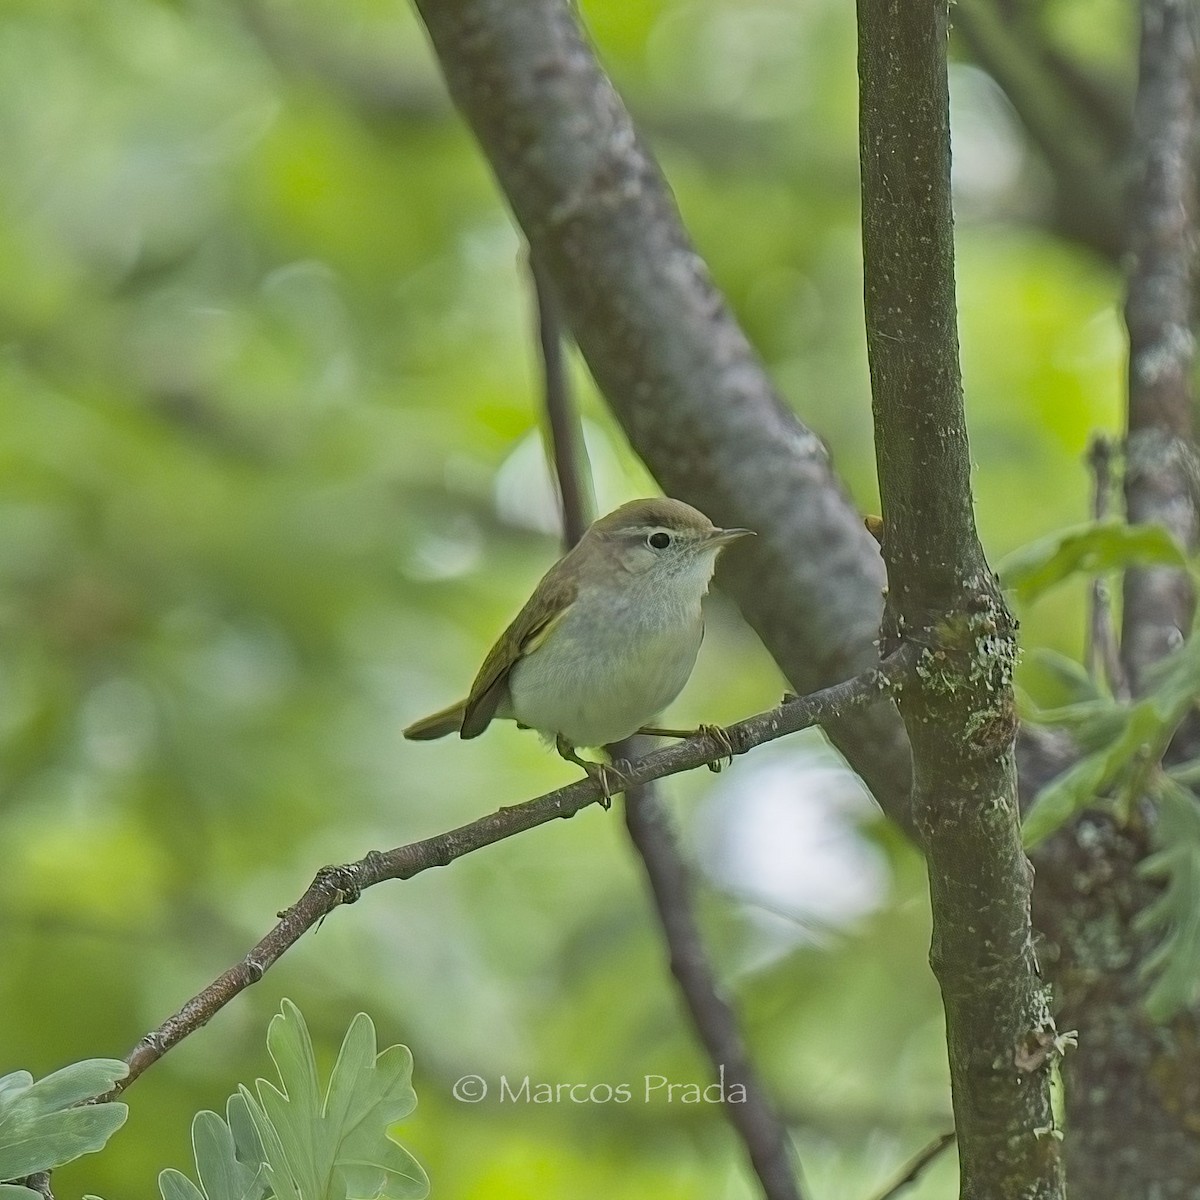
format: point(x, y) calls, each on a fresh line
point(914, 1169)
point(568, 453)
point(959, 712)
point(335, 886)
point(1161, 472)
point(665, 350)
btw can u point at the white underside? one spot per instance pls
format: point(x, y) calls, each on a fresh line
point(610, 667)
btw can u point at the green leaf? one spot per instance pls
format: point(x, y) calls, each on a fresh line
point(174, 1185)
point(1056, 680)
point(1086, 550)
point(1186, 774)
point(1092, 723)
point(247, 1144)
point(11, 1085)
point(1174, 965)
point(1176, 682)
point(1117, 735)
point(75, 1083)
point(278, 1170)
point(14, 1191)
point(371, 1165)
point(338, 1148)
point(40, 1126)
point(1077, 788)
point(354, 1060)
point(222, 1176)
point(294, 1110)
point(225, 1170)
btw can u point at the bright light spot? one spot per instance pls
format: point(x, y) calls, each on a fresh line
point(119, 721)
point(452, 550)
point(783, 831)
point(988, 151)
point(526, 495)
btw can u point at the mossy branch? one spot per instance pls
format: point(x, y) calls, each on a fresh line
point(959, 712)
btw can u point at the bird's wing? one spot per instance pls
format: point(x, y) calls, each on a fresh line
point(529, 629)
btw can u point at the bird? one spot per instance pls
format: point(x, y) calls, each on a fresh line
point(606, 641)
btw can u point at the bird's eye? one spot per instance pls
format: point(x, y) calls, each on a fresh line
point(659, 540)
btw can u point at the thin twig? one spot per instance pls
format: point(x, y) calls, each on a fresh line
point(913, 1171)
point(753, 1118)
point(567, 451)
point(335, 886)
point(1101, 654)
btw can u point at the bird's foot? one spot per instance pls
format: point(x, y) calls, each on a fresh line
point(610, 778)
point(715, 732)
point(723, 740)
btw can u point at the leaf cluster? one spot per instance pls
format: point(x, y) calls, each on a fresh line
point(293, 1142)
point(1123, 745)
point(46, 1123)
point(1174, 966)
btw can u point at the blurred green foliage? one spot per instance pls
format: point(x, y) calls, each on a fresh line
point(270, 483)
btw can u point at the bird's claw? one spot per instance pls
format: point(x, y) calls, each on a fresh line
point(721, 737)
point(610, 778)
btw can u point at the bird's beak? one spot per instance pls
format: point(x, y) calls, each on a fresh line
point(722, 537)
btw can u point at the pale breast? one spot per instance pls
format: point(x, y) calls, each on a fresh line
point(605, 671)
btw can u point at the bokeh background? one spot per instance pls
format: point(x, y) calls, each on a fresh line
point(271, 480)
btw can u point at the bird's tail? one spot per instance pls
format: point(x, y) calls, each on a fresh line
point(438, 724)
